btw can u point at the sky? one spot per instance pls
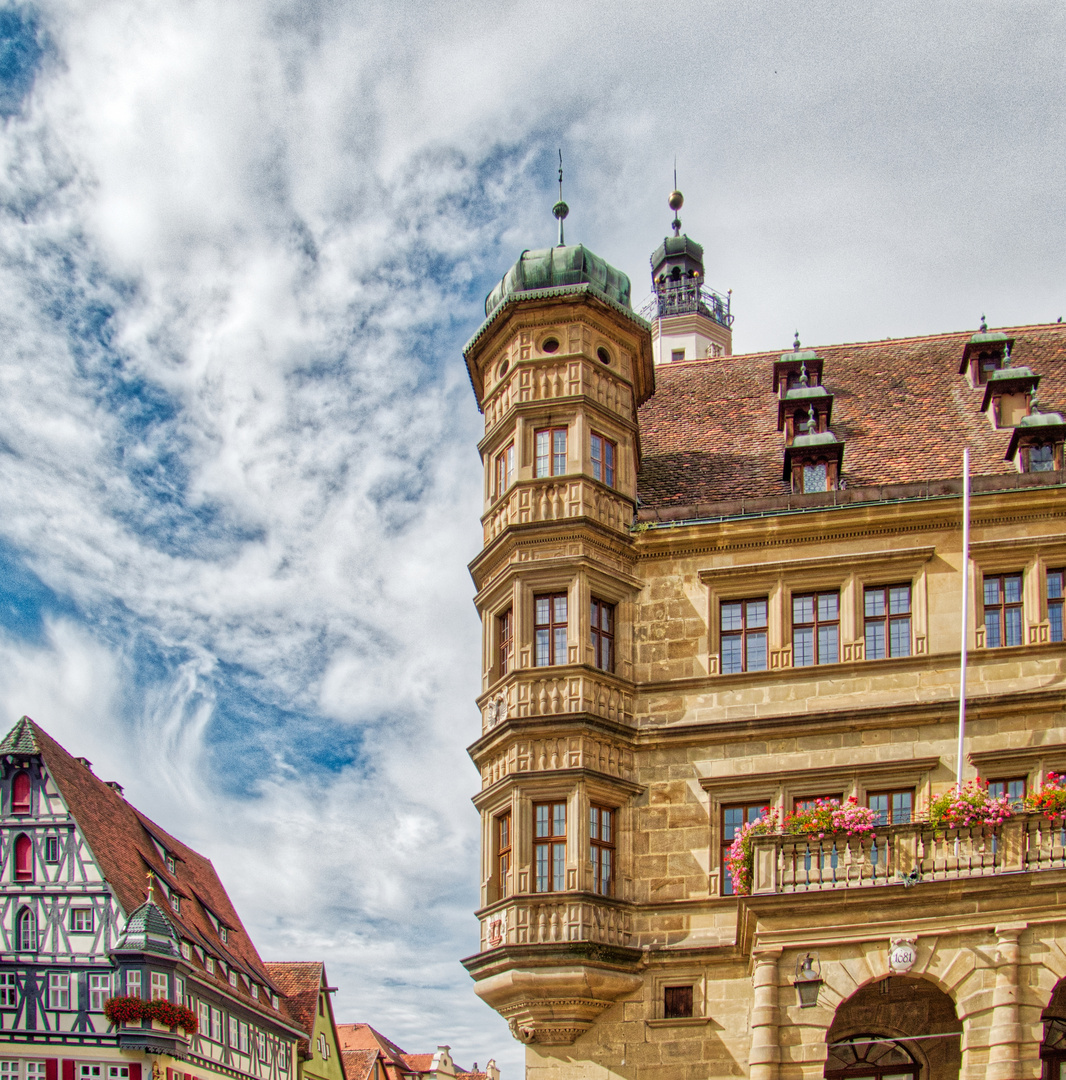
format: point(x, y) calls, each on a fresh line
point(242, 243)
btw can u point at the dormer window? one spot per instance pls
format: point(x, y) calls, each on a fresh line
point(172, 865)
point(1040, 458)
point(984, 354)
point(175, 903)
point(813, 460)
point(1036, 444)
point(223, 934)
point(209, 965)
point(816, 477)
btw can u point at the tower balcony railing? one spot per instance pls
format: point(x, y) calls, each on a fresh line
point(557, 498)
point(906, 855)
point(684, 297)
point(552, 918)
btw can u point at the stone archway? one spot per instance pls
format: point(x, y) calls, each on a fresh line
point(1053, 1043)
point(898, 1026)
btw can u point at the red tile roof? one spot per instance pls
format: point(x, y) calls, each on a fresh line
point(120, 838)
point(358, 1064)
point(709, 433)
point(300, 982)
point(420, 1062)
point(364, 1037)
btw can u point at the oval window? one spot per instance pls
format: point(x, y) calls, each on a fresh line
point(502, 369)
point(604, 355)
point(550, 345)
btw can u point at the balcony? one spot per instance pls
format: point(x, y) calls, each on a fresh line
point(553, 499)
point(906, 854)
point(535, 920)
point(684, 297)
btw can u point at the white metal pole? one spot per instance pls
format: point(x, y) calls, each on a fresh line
point(965, 608)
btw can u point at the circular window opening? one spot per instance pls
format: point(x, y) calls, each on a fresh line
point(604, 355)
point(502, 369)
point(550, 345)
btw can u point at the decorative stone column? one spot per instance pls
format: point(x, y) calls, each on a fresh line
point(765, 1049)
point(1005, 1035)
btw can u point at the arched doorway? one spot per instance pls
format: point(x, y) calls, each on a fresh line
point(898, 1028)
point(870, 1057)
point(1053, 1044)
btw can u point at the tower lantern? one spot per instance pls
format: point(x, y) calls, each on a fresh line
point(690, 321)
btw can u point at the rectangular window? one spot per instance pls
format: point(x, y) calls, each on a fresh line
point(51, 849)
point(887, 621)
point(503, 851)
point(550, 629)
point(8, 990)
point(603, 451)
point(242, 1043)
point(59, 990)
point(133, 984)
point(506, 625)
point(203, 1015)
point(36, 1070)
point(602, 635)
point(1003, 610)
point(1013, 789)
point(90, 1072)
point(233, 979)
point(99, 992)
point(1055, 581)
point(175, 903)
point(159, 990)
point(601, 843)
point(234, 1032)
point(9, 1070)
point(118, 1072)
point(172, 865)
point(81, 920)
point(891, 807)
point(549, 846)
point(1040, 458)
point(551, 452)
point(504, 475)
point(209, 965)
point(809, 802)
point(261, 1043)
point(216, 1025)
point(816, 629)
point(179, 991)
point(677, 1002)
point(677, 355)
point(744, 635)
point(815, 477)
point(733, 819)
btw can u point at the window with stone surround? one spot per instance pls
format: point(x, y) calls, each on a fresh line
point(550, 452)
point(677, 1002)
point(815, 629)
point(734, 817)
point(549, 846)
point(1003, 610)
point(1012, 788)
point(603, 453)
point(601, 621)
point(550, 629)
point(505, 625)
point(503, 852)
point(1055, 581)
point(503, 475)
point(744, 625)
point(892, 807)
point(887, 621)
point(601, 849)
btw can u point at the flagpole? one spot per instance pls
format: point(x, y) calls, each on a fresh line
point(965, 609)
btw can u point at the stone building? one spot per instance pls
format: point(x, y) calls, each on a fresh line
point(712, 584)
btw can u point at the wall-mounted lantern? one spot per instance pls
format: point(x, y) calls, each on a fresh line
point(808, 980)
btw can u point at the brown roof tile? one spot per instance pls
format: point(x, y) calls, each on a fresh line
point(709, 433)
point(358, 1064)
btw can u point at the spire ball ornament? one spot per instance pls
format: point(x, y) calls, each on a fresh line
point(676, 201)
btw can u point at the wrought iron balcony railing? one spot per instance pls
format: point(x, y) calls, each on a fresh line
point(685, 297)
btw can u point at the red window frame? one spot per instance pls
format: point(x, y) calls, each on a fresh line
point(601, 634)
point(23, 858)
point(549, 451)
point(506, 639)
point(602, 849)
point(503, 851)
point(1003, 617)
point(603, 453)
point(898, 808)
point(550, 629)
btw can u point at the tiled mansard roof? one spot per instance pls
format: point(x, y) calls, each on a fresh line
point(120, 839)
point(709, 432)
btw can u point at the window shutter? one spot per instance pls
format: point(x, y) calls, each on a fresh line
point(68, 1069)
point(51, 1069)
point(23, 858)
point(20, 793)
point(135, 1070)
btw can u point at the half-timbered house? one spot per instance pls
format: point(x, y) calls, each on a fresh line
point(99, 904)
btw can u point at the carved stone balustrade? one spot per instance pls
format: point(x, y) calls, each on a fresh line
point(530, 692)
point(558, 498)
point(531, 920)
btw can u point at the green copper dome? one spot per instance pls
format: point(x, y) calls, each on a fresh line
point(148, 930)
point(557, 267)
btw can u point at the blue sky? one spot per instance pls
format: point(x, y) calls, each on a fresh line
point(241, 246)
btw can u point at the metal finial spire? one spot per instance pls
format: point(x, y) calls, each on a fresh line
point(796, 341)
point(675, 202)
point(812, 422)
point(560, 209)
point(984, 325)
point(804, 381)
point(1034, 405)
point(1006, 356)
